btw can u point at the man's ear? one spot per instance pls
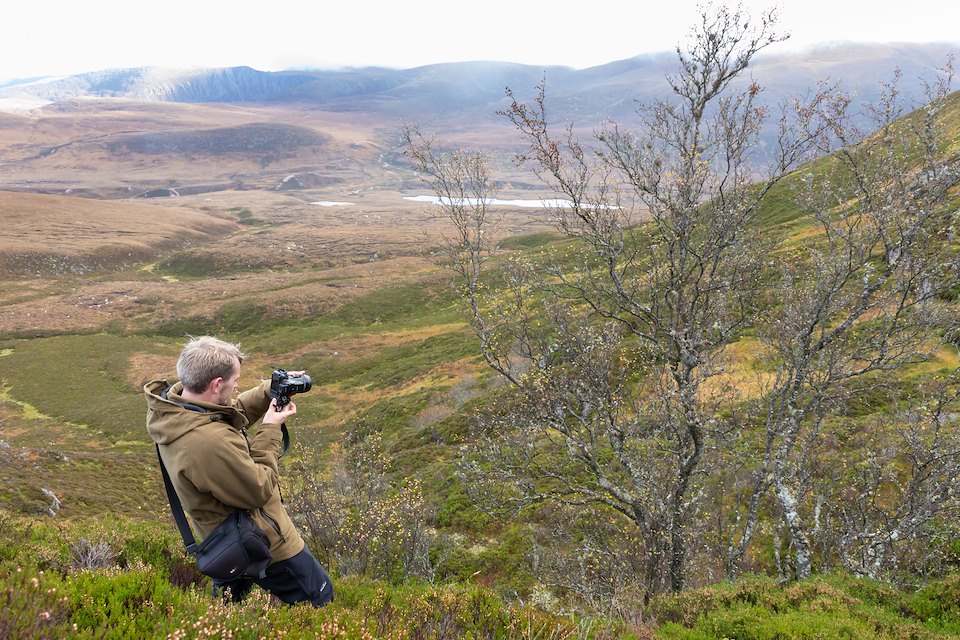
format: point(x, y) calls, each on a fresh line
point(215, 384)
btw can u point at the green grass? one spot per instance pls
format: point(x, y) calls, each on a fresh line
point(86, 381)
point(114, 577)
point(82, 380)
point(531, 240)
point(823, 607)
point(393, 366)
point(409, 306)
point(73, 407)
point(392, 309)
point(245, 217)
point(198, 263)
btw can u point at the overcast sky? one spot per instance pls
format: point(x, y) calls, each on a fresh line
point(60, 37)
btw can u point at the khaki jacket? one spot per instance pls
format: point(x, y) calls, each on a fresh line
point(215, 465)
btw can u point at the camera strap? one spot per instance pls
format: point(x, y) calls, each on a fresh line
point(285, 436)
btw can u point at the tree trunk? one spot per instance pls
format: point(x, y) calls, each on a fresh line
point(798, 534)
point(678, 560)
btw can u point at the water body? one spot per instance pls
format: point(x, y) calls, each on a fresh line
point(537, 204)
point(533, 204)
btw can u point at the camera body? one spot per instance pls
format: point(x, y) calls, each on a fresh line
point(283, 385)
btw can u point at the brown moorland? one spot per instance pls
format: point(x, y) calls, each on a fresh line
point(232, 198)
point(54, 235)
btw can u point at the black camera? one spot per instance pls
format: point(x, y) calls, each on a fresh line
point(283, 385)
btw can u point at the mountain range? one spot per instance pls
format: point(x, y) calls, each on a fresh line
point(475, 90)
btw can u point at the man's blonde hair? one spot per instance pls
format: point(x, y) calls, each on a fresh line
point(204, 359)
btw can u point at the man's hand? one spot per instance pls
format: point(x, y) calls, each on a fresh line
point(278, 417)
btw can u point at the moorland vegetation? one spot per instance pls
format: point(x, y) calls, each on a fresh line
point(707, 402)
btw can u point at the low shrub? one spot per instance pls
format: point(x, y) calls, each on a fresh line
point(823, 607)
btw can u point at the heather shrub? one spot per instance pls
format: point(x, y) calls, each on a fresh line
point(118, 578)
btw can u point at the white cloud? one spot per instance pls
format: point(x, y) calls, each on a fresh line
point(65, 36)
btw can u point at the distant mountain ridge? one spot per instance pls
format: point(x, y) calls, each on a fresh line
point(593, 94)
point(153, 132)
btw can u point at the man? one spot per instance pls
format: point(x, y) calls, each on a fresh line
point(216, 466)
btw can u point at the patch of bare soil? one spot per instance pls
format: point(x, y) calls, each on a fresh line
point(158, 366)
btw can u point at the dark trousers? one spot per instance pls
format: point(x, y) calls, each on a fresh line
point(298, 579)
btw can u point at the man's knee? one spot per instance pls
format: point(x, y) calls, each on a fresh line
point(300, 579)
point(324, 595)
point(316, 582)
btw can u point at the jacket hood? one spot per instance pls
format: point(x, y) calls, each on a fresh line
point(166, 411)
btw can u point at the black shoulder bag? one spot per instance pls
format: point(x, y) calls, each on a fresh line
point(236, 548)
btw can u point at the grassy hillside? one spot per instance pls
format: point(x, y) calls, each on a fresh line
point(88, 546)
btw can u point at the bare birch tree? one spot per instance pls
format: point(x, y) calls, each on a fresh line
point(896, 504)
point(861, 297)
point(617, 345)
point(613, 405)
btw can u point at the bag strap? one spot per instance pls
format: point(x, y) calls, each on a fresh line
point(177, 508)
